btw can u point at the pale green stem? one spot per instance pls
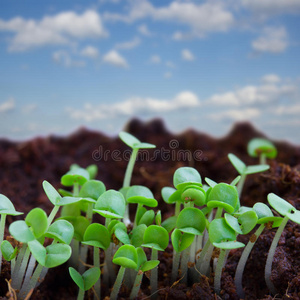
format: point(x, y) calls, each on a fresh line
point(135, 218)
point(153, 276)
point(89, 212)
point(240, 184)
point(268, 268)
point(176, 259)
point(83, 257)
point(76, 189)
point(205, 266)
point(75, 253)
point(199, 244)
point(118, 283)
point(218, 273)
point(177, 208)
point(202, 255)
point(184, 264)
point(80, 294)
point(97, 285)
point(109, 274)
point(126, 182)
point(12, 266)
point(29, 271)
point(18, 263)
point(2, 227)
point(136, 285)
point(242, 262)
point(21, 272)
point(53, 214)
point(219, 213)
point(42, 276)
point(262, 159)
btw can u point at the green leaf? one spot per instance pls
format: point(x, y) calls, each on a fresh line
point(37, 220)
point(137, 235)
point(181, 240)
point(158, 218)
point(229, 245)
point(126, 256)
point(170, 223)
point(92, 189)
point(280, 205)
point(65, 193)
point(166, 193)
point(92, 170)
point(219, 231)
point(147, 218)
point(259, 145)
point(176, 196)
point(233, 223)
point(111, 204)
point(235, 180)
point(77, 175)
point(80, 224)
point(156, 237)
point(6, 207)
point(21, 232)
point(61, 231)
point(191, 220)
point(90, 277)
point(248, 220)
point(142, 195)
point(262, 210)
point(77, 278)
point(237, 163)
point(141, 258)
point(51, 193)
point(186, 175)
point(133, 142)
point(195, 195)
point(210, 182)
point(8, 251)
point(97, 235)
point(256, 169)
point(149, 265)
point(294, 215)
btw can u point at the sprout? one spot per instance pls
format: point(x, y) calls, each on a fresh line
point(290, 213)
point(245, 170)
point(262, 148)
point(127, 257)
point(264, 216)
point(84, 281)
point(156, 238)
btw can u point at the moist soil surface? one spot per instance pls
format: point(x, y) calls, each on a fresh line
point(24, 165)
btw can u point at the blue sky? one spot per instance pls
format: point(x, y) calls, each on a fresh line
point(200, 64)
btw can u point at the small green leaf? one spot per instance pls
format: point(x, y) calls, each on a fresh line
point(210, 182)
point(170, 223)
point(77, 175)
point(90, 277)
point(158, 218)
point(77, 278)
point(61, 231)
point(92, 189)
point(126, 256)
point(8, 251)
point(133, 142)
point(186, 175)
point(97, 235)
point(6, 207)
point(219, 231)
point(181, 240)
point(92, 170)
point(149, 265)
point(258, 146)
point(195, 195)
point(147, 218)
point(37, 220)
point(137, 235)
point(142, 195)
point(141, 258)
point(256, 169)
point(166, 193)
point(237, 163)
point(51, 193)
point(248, 220)
point(294, 215)
point(156, 237)
point(280, 205)
point(21, 232)
point(233, 223)
point(176, 196)
point(229, 245)
point(80, 223)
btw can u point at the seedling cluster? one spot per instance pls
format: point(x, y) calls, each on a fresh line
point(206, 217)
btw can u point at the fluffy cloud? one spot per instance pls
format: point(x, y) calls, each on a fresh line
point(129, 44)
point(155, 59)
point(210, 16)
point(90, 51)
point(134, 106)
point(114, 58)
point(62, 57)
point(187, 55)
point(143, 29)
point(273, 40)
point(7, 105)
point(60, 29)
point(236, 114)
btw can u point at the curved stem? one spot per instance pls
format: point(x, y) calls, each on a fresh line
point(268, 268)
point(53, 214)
point(240, 185)
point(218, 274)
point(176, 259)
point(242, 262)
point(21, 272)
point(118, 283)
point(262, 159)
point(204, 269)
point(136, 285)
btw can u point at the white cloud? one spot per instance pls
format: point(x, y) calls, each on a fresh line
point(62, 57)
point(133, 106)
point(288, 110)
point(170, 64)
point(59, 29)
point(236, 114)
point(155, 59)
point(187, 55)
point(143, 29)
point(168, 75)
point(271, 89)
point(273, 40)
point(114, 58)
point(129, 44)
point(90, 51)
point(7, 105)
point(210, 16)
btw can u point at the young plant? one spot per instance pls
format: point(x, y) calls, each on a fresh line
point(126, 257)
point(264, 217)
point(290, 213)
point(135, 145)
point(262, 148)
point(86, 280)
point(156, 238)
point(245, 170)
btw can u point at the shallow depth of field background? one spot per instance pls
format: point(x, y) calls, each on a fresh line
point(200, 64)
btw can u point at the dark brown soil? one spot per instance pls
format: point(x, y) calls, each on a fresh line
point(24, 165)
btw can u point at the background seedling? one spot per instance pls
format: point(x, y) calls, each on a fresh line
point(262, 148)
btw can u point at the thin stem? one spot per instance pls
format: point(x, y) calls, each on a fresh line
point(12, 266)
point(262, 159)
point(80, 294)
point(97, 285)
point(89, 212)
point(53, 214)
point(268, 268)
point(83, 257)
point(153, 276)
point(18, 263)
point(184, 264)
point(204, 269)
point(109, 274)
point(22, 270)
point(139, 206)
point(136, 285)
point(29, 271)
point(75, 254)
point(221, 261)
point(242, 262)
point(2, 227)
point(240, 185)
point(219, 212)
point(76, 189)
point(175, 265)
point(118, 283)
point(202, 254)
point(177, 208)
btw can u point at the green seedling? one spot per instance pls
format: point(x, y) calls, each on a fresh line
point(264, 217)
point(6, 208)
point(166, 194)
point(262, 148)
point(92, 170)
point(9, 254)
point(156, 238)
point(141, 196)
point(142, 266)
point(222, 236)
point(290, 213)
point(137, 235)
point(135, 145)
point(126, 257)
point(84, 281)
point(97, 236)
point(245, 170)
